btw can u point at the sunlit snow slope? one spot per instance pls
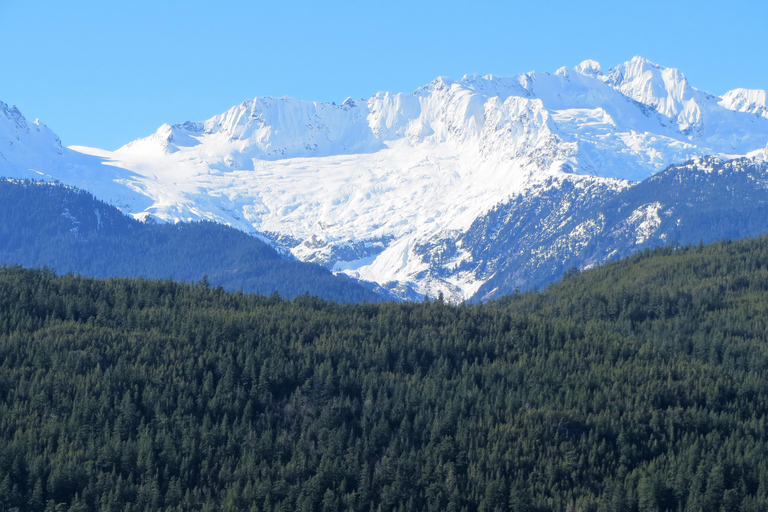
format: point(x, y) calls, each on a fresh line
point(369, 187)
point(31, 150)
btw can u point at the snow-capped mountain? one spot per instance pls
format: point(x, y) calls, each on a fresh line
point(387, 189)
point(25, 145)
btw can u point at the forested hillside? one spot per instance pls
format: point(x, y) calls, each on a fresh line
point(543, 234)
point(639, 386)
point(44, 224)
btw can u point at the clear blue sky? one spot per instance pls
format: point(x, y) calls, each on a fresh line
point(102, 73)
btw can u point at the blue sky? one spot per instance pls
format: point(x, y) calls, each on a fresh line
point(102, 73)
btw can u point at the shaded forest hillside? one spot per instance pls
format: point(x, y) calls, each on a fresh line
point(638, 386)
point(45, 224)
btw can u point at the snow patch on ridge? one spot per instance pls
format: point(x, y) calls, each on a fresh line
point(645, 221)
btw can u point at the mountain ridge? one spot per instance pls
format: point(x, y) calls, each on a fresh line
point(68, 230)
point(361, 186)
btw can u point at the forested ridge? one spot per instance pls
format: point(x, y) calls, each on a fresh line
point(638, 386)
point(69, 230)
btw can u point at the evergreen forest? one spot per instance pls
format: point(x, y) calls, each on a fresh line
point(639, 386)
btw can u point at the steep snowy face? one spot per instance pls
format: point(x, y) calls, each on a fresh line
point(443, 111)
point(666, 90)
point(746, 100)
point(269, 129)
point(26, 146)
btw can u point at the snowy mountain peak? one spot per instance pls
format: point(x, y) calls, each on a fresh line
point(589, 68)
point(160, 142)
point(26, 146)
point(665, 90)
point(20, 125)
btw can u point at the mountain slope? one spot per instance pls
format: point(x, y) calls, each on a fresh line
point(549, 232)
point(70, 231)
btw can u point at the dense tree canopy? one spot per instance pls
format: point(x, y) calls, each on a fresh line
point(639, 386)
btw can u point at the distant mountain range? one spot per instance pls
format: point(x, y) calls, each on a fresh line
point(469, 188)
